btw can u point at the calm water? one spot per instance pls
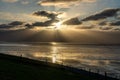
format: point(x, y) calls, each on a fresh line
point(104, 58)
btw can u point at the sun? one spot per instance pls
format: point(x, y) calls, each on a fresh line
point(58, 25)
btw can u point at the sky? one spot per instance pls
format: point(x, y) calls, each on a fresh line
point(88, 16)
point(13, 10)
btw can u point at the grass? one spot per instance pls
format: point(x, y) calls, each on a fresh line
point(17, 68)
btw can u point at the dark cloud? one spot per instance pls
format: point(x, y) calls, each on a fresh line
point(72, 21)
point(46, 23)
point(85, 27)
point(51, 15)
point(38, 24)
point(102, 15)
point(52, 18)
point(28, 25)
point(16, 23)
point(12, 25)
point(2, 26)
point(103, 23)
point(117, 23)
point(99, 16)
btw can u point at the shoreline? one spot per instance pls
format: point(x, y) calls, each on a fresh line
point(85, 75)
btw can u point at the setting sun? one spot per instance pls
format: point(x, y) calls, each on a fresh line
point(58, 25)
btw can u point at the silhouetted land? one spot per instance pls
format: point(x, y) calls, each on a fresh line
point(19, 68)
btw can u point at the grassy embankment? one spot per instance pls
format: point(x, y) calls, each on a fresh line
point(18, 68)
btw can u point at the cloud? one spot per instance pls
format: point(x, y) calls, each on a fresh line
point(21, 17)
point(4, 26)
point(102, 15)
point(39, 24)
point(64, 3)
point(85, 27)
point(106, 28)
point(52, 17)
point(117, 29)
point(10, 1)
point(72, 21)
point(15, 25)
point(45, 24)
point(99, 18)
point(39, 18)
point(117, 23)
point(103, 23)
point(28, 25)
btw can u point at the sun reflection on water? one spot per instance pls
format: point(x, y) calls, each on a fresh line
point(53, 43)
point(56, 56)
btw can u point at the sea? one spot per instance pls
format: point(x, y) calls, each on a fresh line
point(97, 58)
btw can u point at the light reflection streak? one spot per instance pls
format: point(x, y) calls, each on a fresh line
point(55, 55)
point(53, 43)
point(54, 58)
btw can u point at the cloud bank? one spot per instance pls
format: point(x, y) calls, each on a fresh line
point(102, 15)
point(104, 20)
point(15, 25)
point(96, 17)
point(51, 17)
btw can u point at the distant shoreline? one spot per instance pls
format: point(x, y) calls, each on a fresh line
point(56, 43)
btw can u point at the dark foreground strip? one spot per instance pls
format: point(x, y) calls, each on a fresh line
point(23, 60)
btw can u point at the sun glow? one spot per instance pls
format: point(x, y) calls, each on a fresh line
point(58, 25)
point(53, 43)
